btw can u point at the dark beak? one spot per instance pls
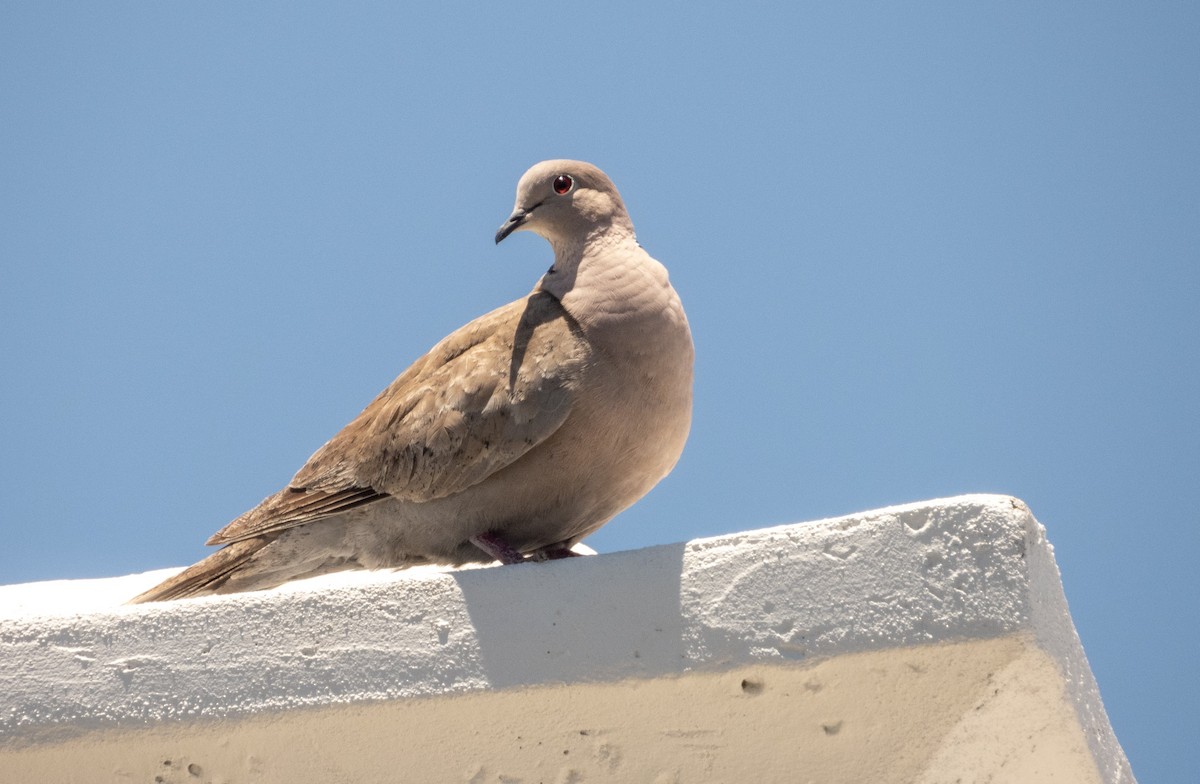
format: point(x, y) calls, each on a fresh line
point(512, 224)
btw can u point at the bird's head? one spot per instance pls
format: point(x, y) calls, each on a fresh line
point(566, 202)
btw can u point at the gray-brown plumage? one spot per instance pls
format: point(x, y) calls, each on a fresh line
point(517, 435)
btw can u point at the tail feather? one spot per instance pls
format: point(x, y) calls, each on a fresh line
point(206, 576)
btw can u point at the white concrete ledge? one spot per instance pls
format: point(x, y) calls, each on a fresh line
point(925, 642)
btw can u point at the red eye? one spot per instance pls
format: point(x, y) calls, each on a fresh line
point(563, 183)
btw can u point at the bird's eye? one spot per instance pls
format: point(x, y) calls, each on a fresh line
point(563, 184)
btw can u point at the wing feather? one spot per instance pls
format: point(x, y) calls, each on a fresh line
point(474, 404)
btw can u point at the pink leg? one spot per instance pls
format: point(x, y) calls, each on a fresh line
point(495, 546)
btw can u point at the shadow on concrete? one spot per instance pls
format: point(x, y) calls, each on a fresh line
point(597, 617)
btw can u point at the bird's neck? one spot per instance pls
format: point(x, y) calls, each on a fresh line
point(609, 277)
point(588, 261)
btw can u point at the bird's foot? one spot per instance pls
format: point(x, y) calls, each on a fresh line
point(553, 553)
point(495, 546)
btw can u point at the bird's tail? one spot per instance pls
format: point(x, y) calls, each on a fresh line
point(206, 576)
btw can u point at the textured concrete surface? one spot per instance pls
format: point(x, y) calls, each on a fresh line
point(927, 642)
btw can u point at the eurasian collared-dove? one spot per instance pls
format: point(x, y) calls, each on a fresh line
point(516, 436)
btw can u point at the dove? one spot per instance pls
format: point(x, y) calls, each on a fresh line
point(515, 437)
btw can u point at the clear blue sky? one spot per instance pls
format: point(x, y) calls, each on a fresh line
point(925, 250)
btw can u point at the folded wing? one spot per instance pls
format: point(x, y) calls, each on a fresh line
point(473, 405)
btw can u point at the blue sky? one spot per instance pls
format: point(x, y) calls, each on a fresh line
point(926, 249)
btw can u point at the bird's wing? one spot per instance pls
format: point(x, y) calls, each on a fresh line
point(474, 404)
